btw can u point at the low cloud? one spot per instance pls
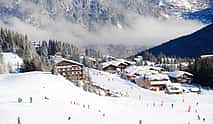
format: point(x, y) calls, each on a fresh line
point(144, 31)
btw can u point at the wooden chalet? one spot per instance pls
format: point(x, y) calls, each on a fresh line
point(156, 82)
point(70, 69)
point(110, 68)
point(174, 88)
point(180, 76)
point(117, 65)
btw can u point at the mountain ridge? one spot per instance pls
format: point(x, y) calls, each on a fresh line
point(193, 45)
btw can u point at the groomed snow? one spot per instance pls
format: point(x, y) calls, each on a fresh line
point(145, 105)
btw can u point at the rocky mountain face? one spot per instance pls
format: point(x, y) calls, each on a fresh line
point(94, 13)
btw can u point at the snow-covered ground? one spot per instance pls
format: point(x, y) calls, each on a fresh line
point(64, 100)
point(11, 62)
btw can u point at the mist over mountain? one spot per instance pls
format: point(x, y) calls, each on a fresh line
point(93, 13)
point(102, 22)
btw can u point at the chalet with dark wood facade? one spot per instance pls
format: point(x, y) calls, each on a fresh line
point(180, 76)
point(70, 69)
point(117, 65)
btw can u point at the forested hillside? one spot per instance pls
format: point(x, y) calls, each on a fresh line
point(18, 43)
point(193, 45)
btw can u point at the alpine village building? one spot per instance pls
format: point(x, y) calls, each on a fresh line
point(70, 69)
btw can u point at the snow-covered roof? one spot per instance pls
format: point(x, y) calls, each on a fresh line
point(176, 74)
point(135, 69)
point(142, 70)
point(126, 61)
point(114, 63)
point(92, 59)
point(206, 56)
point(117, 62)
point(195, 89)
point(156, 68)
point(149, 63)
point(174, 85)
point(109, 57)
point(60, 59)
point(174, 88)
point(137, 59)
point(160, 82)
point(158, 77)
point(184, 64)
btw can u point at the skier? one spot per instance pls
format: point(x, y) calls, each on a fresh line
point(198, 117)
point(161, 103)
point(183, 99)
point(139, 97)
point(196, 110)
point(19, 100)
point(189, 109)
point(197, 103)
point(172, 105)
point(154, 104)
point(46, 98)
point(31, 99)
point(204, 119)
point(19, 120)
point(69, 118)
point(140, 121)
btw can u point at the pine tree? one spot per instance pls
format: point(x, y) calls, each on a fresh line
point(203, 71)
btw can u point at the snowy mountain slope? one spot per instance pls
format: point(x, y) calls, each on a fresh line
point(89, 108)
point(55, 110)
point(94, 13)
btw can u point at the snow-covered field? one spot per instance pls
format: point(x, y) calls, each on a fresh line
point(64, 100)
